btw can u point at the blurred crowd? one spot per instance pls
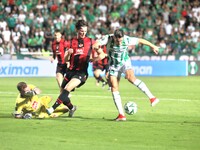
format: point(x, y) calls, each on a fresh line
point(30, 24)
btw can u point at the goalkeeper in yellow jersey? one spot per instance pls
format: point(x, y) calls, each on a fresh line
point(29, 105)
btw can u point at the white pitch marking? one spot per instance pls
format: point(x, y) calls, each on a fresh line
point(107, 97)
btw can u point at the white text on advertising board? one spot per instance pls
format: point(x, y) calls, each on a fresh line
point(19, 70)
point(143, 70)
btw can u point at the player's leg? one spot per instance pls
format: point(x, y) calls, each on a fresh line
point(59, 79)
point(77, 81)
point(98, 77)
point(64, 96)
point(60, 71)
point(141, 85)
point(107, 76)
point(43, 114)
point(114, 81)
point(42, 106)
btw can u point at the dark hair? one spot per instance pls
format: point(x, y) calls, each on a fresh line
point(57, 30)
point(119, 33)
point(21, 86)
point(81, 23)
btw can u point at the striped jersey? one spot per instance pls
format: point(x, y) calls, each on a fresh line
point(118, 54)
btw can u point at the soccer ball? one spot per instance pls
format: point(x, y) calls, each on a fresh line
point(130, 108)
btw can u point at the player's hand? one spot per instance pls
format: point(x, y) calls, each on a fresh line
point(37, 91)
point(156, 49)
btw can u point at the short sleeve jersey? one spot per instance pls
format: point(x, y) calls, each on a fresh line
point(58, 49)
point(82, 48)
point(118, 54)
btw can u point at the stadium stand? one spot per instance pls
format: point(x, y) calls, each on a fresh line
point(27, 26)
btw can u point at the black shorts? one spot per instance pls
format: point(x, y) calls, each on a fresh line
point(61, 68)
point(81, 75)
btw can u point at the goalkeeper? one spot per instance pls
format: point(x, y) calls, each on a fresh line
point(29, 105)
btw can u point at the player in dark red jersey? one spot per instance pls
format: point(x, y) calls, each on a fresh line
point(99, 67)
point(79, 53)
point(59, 49)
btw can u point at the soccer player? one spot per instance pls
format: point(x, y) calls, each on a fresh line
point(99, 67)
point(28, 102)
point(79, 53)
point(119, 62)
point(59, 49)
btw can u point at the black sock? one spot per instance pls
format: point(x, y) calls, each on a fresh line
point(63, 98)
point(69, 105)
point(100, 79)
point(57, 103)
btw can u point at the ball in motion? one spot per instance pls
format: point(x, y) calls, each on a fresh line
point(130, 108)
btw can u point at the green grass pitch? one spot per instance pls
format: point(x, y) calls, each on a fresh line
point(173, 124)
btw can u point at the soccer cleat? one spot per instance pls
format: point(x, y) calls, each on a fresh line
point(71, 112)
point(154, 101)
point(120, 117)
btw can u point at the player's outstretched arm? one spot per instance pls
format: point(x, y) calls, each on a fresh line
point(52, 58)
point(145, 42)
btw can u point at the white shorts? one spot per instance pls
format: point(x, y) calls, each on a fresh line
point(117, 71)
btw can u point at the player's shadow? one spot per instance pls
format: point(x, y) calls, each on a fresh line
point(154, 121)
point(75, 118)
point(164, 122)
point(81, 118)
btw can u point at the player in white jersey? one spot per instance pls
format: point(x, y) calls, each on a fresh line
point(119, 62)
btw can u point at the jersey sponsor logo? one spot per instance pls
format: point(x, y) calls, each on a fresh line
point(34, 105)
point(79, 51)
